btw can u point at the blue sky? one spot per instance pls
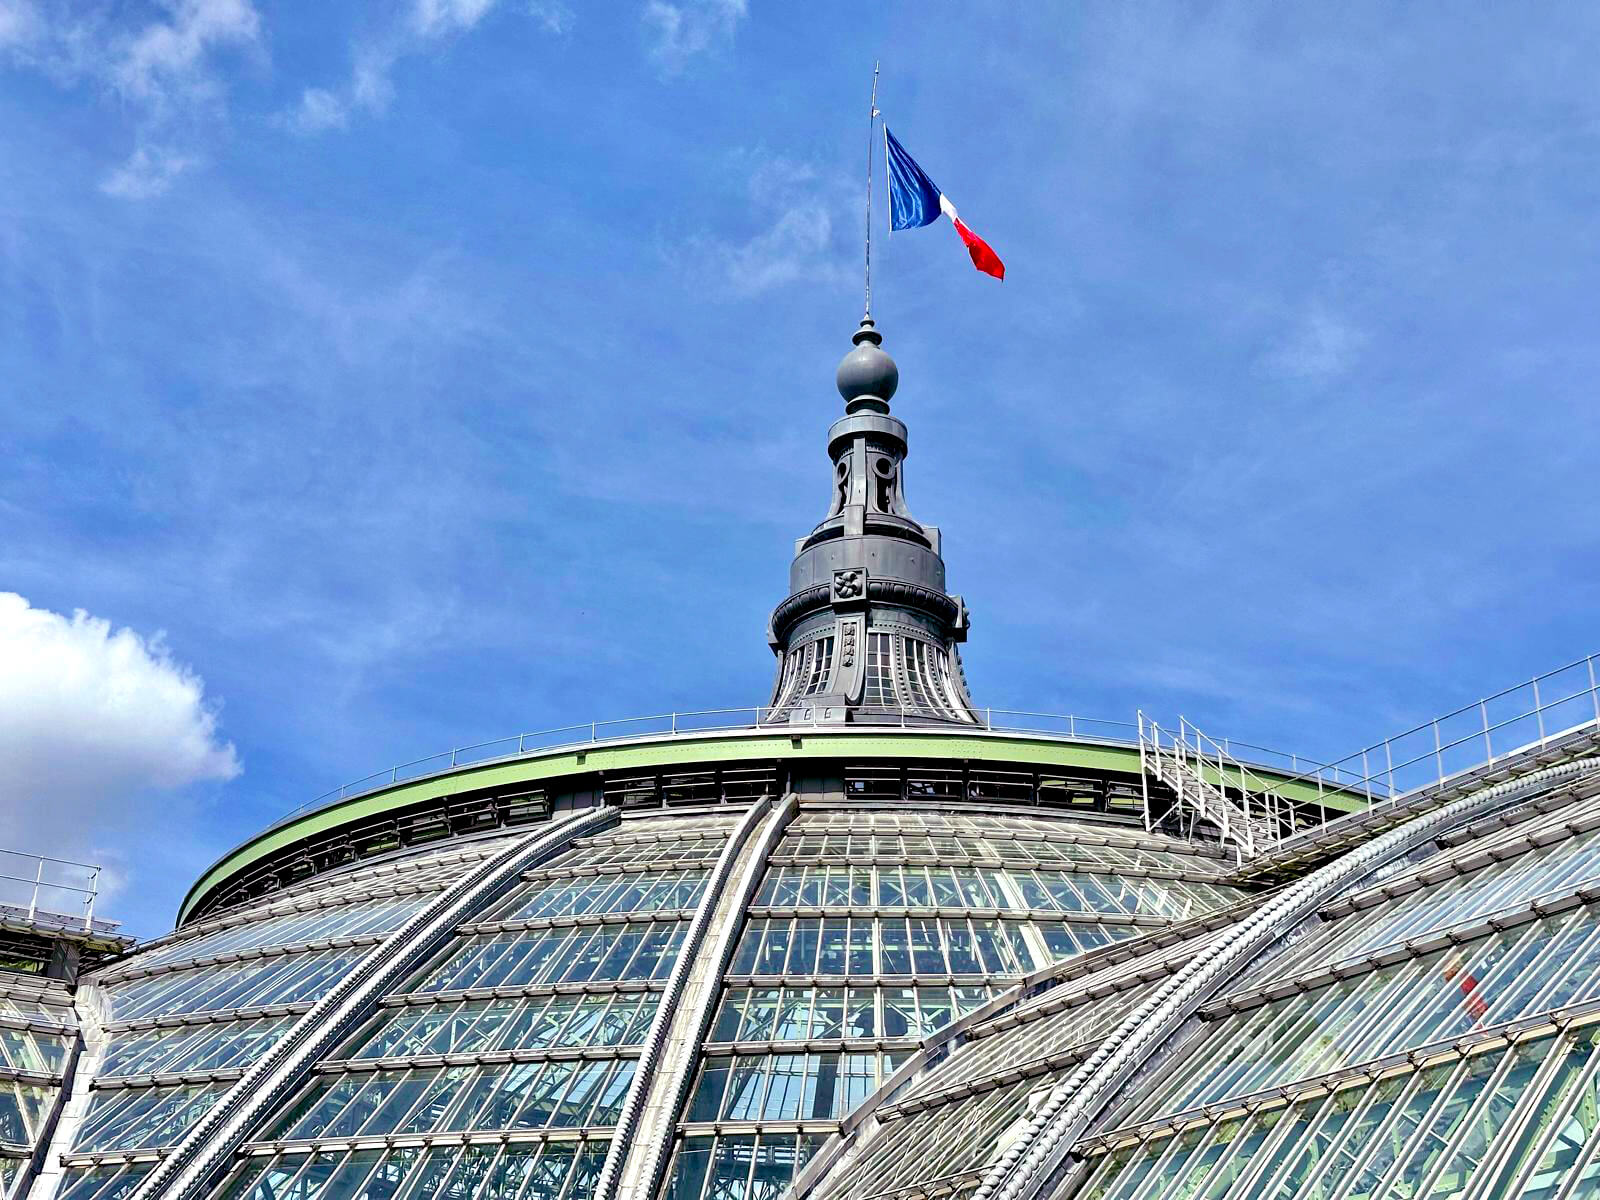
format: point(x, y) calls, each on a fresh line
point(420, 373)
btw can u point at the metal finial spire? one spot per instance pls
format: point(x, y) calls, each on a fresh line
point(868, 631)
point(872, 128)
point(867, 376)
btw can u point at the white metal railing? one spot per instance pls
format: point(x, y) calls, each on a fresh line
point(1551, 705)
point(716, 720)
point(49, 890)
point(1292, 766)
point(1535, 713)
point(1253, 813)
point(1212, 784)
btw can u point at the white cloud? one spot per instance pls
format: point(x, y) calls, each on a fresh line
point(555, 16)
point(148, 172)
point(92, 718)
point(319, 110)
point(369, 88)
point(795, 248)
point(162, 71)
point(680, 32)
point(799, 209)
point(19, 23)
point(437, 18)
point(169, 55)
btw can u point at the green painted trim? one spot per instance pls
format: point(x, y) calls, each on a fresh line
point(1234, 778)
point(643, 754)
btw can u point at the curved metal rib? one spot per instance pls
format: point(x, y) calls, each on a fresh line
point(623, 1143)
point(635, 1163)
point(1032, 1161)
point(207, 1150)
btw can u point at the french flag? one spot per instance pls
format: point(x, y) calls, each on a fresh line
point(915, 200)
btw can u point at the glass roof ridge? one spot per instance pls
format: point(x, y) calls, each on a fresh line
point(637, 1159)
point(1462, 861)
point(1419, 945)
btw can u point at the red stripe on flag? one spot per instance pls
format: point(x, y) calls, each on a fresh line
point(985, 259)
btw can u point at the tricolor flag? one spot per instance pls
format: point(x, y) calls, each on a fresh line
point(915, 200)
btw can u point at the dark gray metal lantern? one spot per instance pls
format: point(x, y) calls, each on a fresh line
point(868, 631)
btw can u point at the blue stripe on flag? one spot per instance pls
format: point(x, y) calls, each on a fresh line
point(913, 197)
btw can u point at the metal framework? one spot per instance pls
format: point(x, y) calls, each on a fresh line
point(1071, 1105)
point(752, 901)
point(748, 718)
point(608, 961)
point(1517, 921)
point(209, 1146)
point(658, 1040)
point(1211, 785)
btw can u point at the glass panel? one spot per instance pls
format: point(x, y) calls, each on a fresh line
point(730, 1168)
point(689, 1169)
point(1393, 1008)
point(707, 1102)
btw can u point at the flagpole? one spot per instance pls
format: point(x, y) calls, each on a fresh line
point(872, 128)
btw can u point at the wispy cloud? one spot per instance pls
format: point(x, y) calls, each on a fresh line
point(163, 72)
point(368, 90)
point(427, 24)
point(439, 18)
point(166, 59)
point(148, 172)
point(679, 33)
point(554, 15)
point(1319, 345)
point(798, 208)
point(19, 23)
point(794, 249)
point(318, 110)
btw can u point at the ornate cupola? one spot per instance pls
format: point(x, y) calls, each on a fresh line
point(868, 632)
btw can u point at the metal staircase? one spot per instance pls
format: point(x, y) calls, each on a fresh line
point(1213, 786)
point(1551, 714)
